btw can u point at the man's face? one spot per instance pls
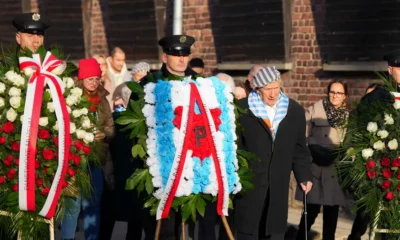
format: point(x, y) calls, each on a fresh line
point(395, 72)
point(270, 93)
point(91, 83)
point(29, 40)
point(117, 61)
point(176, 64)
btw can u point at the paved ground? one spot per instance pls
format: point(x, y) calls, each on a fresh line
point(343, 228)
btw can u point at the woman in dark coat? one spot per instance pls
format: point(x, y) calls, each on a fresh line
point(263, 210)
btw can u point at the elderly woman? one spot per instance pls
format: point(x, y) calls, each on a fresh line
point(89, 80)
point(274, 130)
point(326, 121)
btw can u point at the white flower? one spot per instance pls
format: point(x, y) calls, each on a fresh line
point(21, 118)
point(80, 134)
point(84, 111)
point(89, 137)
point(50, 106)
point(55, 127)
point(14, 92)
point(76, 92)
point(86, 123)
point(15, 102)
point(69, 82)
point(43, 121)
point(367, 153)
point(68, 109)
point(382, 134)
point(72, 127)
point(388, 119)
point(11, 115)
point(2, 87)
point(396, 104)
point(393, 144)
point(379, 145)
point(15, 78)
point(372, 127)
point(76, 113)
point(29, 71)
point(2, 102)
point(71, 100)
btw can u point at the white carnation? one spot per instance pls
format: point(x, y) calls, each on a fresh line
point(50, 106)
point(28, 71)
point(372, 127)
point(396, 104)
point(11, 115)
point(382, 134)
point(55, 127)
point(15, 102)
point(80, 134)
point(393, 144)
point(76, 113)
point(367, 153)
point(14, 92)
point(21, 118)
point(68, 109)
point(379, 145)
point(2, 87)
point(388, 119)
point(89, 137)
point(71, 100)
point(43, 121)
point(76, 92)
point(2, 102)
point(86, 123)
point(72, 127)
point(84, 111)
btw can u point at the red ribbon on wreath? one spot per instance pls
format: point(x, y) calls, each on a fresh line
point(44, 73)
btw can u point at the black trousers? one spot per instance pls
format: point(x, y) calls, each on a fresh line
point(360, 224)
point(330, 218)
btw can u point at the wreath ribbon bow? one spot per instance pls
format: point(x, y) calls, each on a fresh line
point(44, 73)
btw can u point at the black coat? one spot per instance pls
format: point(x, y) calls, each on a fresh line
point(272, 173)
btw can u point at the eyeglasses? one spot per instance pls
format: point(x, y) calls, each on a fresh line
point(340, 94)
point(93, 80)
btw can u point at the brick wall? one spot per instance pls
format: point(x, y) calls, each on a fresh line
point(98, 38)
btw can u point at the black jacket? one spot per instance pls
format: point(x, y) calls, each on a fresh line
point(272, 173)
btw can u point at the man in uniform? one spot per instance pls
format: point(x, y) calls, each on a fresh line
point(30, 30)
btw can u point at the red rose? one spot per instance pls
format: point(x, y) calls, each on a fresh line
point(44, 134)
point(39, 182)
point(92, 108)
point(45, 191)
point(2, 179)
point(86, 150)
point(370, 164)
point(371, 175)
point(8, 127)
point(15, 146)
point(385, 162)
point(11, 173)
point(386, 184)
point(387, 173)
point(55, 141)
point(8, 160)
point(15, 188)
point(396, 162)
point(3, 140)
point(47, 154)
point(17, 161)
point(64, 184)
point(398, 186)
point(389, 196)
point(78, 145)
point(71, 172)
point(76, 159)
point(37, 164)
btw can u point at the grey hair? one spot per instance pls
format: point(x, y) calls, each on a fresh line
point(227, 79)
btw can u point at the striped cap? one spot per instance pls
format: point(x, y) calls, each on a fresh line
point(266, 76)
point(140, 67)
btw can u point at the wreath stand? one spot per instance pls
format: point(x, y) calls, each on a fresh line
point(47, 221)
point(224, 221)
point(374, 226)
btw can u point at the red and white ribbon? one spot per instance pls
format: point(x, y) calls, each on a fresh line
point(44, 73)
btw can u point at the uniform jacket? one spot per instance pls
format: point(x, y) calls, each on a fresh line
point(272, 172)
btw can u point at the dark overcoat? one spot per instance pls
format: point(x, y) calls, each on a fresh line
point(272, 172)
